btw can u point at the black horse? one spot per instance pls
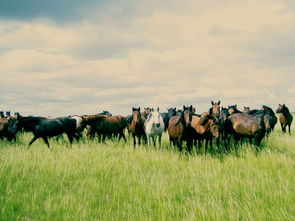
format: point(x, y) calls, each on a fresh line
point(167, 116)
point(44, 127)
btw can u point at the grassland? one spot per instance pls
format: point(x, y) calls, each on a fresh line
point(112, 181)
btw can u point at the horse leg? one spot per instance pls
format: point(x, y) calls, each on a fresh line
point(134, 140)
point(148, 139)
point(139, 140)
point(46, 141)
point(289, 126)
point(179, 145)
point(122, 135)
point(70, 138)
point(283, 127)
point(33, 140)
point(154, 141)
point(160, 138)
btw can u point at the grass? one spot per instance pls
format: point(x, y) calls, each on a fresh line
point(91, 181)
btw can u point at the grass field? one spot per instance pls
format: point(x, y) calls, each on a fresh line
point(91, 181)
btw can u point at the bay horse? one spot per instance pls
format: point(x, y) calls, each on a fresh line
point(206, 127)
point(285, 117)
point(215, 108)
point(241, 125)
point(136, 126)
point(273, 117)
point(154, 127)
point(232, 109)
point(43, 127)
point(180, 129)
point(106, 126)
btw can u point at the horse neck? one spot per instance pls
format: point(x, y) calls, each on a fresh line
point(204, 120)
point(285, 112)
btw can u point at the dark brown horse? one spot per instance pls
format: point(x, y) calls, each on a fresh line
point(106, 126)
point(180, 129)
point(136, 126)
point(44, 127)
point(243, 125)
point(206, 127)
point(285, 117)
point(273, 117)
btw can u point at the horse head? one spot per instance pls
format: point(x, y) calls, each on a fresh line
point(136, 115)
point(186, 115)
point(215, 107)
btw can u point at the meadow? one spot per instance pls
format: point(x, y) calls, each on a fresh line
point(112, 181)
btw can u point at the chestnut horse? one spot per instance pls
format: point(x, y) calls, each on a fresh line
point(206, 127)
point(136, 126)
point(180, 129)
point(106, 125)
point(285, 117)
point(242, 125)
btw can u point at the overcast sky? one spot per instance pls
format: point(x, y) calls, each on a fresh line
point(61, 57)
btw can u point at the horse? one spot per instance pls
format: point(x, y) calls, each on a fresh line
point(43, 127)
point(6, 128)
point(215, 107)
point(136, 126)
point(246, 110)
point(154, 127)
point(147, 111)
point(106, 125)
point(285, 117)
point(206, 127)
point(180, 129)
point(7, 113)
point(167, 116)
point(241, 125)
point(106, 113)
point(273, 117)
point(232, 109)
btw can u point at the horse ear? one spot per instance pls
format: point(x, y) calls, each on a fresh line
point(191, 107)
point(183, 107)
point(212, 103)
point(158, 109)
point(174, 109)
point(218, 102)
point(132, 108)
point(139, 109)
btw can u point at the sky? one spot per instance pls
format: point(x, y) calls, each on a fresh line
point(65, 57)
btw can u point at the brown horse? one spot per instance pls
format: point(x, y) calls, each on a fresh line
point(106, 125)
point(136, 126)
point(215, 108)
point(180, 129)
point(5, 131)
point(206, 127)
point(246, 110)
point(285, 117)
point(232, 109)
point(273, 117)
point(243, 125)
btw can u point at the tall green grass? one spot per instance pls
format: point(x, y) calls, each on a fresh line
point(112, 181)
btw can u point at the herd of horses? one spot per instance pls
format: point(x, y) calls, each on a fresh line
point(218, 125)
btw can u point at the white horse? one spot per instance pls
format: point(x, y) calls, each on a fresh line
point(154, 126)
